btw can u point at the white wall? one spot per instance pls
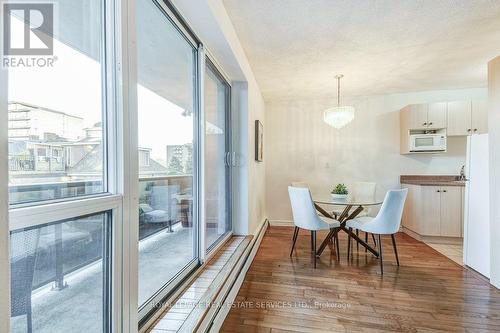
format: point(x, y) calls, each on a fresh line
point(494, 143)
point(300, 146)
point(209, 20)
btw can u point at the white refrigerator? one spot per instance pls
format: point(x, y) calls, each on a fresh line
point(476, 206)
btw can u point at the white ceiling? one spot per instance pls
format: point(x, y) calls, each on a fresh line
point(296, 47)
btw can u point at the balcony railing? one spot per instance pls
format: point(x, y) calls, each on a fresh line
point(168, 196)
point(21, 163)
point(41, 164)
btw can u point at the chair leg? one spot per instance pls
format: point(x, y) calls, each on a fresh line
point(357, 243)
point(349, 244)
point(312, 242)
point(380, 255)
point(295, 236)
point(332, 244)
point(395, 248)
point(29, 322)
point(313, 237)
point(374, 241)
point(366, 241)
point(338, 247)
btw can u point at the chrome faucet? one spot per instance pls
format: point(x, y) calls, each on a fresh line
point(462, 173)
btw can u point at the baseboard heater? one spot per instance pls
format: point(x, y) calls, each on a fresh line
point(214, 319)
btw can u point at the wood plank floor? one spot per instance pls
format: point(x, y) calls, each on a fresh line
point(427, 293)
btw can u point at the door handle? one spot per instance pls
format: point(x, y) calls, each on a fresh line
point(233, 159)
point(227, 159)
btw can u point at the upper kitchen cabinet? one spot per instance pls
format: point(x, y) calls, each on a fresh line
point(479, 117)
point(427, 116)
point(417, 115)
point(436, 115)
point(459, 118)
point(466, 118)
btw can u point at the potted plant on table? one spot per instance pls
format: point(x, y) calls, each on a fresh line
point(340, 192)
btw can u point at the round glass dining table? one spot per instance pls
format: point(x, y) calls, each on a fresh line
point(349, 201)
point(347, 214)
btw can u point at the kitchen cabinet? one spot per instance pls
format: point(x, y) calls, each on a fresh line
point(418, 116)
point(409, 212)
point(466, 118)
point(459, 118)
point(430, 212)
point(434, 211)
point(479, 117)
point(436, 115)
point(451, 208)
point(424, 116)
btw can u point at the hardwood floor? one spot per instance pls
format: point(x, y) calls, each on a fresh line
point(427, 293)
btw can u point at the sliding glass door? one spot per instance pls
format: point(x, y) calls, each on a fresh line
point(166, 91)
point(217, 155)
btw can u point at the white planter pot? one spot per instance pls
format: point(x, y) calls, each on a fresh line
point(339, 196)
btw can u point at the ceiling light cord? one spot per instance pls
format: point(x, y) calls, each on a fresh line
point(338, 77)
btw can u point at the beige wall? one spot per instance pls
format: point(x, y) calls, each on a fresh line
point(300, 146)
point(256, 170)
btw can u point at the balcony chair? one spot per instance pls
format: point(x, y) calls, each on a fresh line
point(163, 207)
point(305, 217)
point(387, 221)
point(23, 247)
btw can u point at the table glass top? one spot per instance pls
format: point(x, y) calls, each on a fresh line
point(350, 200)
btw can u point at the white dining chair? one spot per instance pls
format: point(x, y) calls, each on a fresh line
point(300, 184)
point(387, 221)
point(305, 217)
point(362, 191)
point(334, 242)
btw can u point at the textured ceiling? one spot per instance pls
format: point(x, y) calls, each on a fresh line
point(296, 47)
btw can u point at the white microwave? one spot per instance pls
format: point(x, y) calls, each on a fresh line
point(427, 142)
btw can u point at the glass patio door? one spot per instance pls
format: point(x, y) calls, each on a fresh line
point(217, 155)
point(166, 92)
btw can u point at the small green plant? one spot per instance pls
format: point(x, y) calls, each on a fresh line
point(340, 189)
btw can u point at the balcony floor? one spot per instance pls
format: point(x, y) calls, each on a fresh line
point(78, 307)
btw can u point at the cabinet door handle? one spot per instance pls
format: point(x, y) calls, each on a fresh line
point(468, 130)
point(425, 124)
point(430, 124)
point(445, 191)
point(438, 191)
point(475, 129)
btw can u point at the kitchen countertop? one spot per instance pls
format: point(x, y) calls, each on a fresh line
point(427, 180)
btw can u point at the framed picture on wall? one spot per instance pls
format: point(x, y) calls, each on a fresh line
point(259, 141)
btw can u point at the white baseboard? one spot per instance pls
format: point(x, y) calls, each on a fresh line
point(281, 223)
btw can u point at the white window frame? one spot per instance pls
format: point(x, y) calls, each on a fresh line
point(118, 103)
point(4, 205)
point(198, 149)
point(211, 249)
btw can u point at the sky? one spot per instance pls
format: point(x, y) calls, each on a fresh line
point(73, 86)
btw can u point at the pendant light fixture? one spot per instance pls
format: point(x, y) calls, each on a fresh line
point(338, 116)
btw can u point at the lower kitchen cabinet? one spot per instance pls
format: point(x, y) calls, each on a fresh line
point(434, 210)
point(451, 211)
point(430, 218)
